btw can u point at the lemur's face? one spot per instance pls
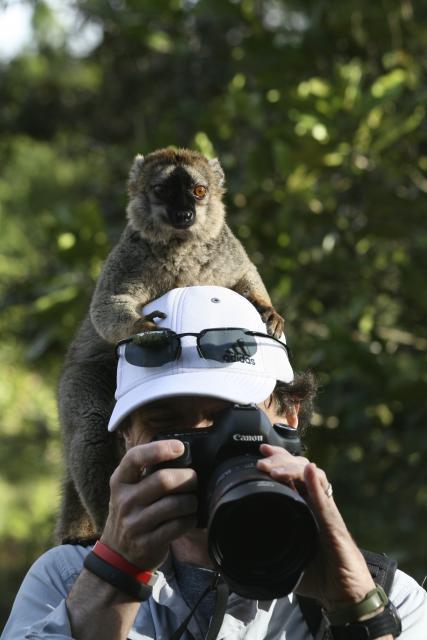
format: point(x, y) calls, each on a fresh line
point(175, 194)
point(178, 194)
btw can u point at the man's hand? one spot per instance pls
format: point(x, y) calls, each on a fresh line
point(147, 512)
point(338, 575)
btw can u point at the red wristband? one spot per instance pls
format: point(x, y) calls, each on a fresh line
point(116, 560)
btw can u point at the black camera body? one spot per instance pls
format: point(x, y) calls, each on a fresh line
point(261, 533)
point(237, 432)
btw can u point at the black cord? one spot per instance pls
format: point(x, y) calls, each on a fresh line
point(218, 615)
point(223, 592)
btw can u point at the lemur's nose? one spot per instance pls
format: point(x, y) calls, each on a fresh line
point(184, 218)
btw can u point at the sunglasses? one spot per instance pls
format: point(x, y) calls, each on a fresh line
point(226, 345)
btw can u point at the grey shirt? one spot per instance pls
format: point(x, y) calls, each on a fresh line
point(40, 613)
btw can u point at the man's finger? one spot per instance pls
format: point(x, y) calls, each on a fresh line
point(169, 531)
point(162, 482)
point(172, 507)
point(136, 459)
point(327, 515)
point(270, 450)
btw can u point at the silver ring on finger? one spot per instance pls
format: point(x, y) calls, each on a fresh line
point(329, 491)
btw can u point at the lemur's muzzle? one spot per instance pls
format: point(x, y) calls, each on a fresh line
point(182, 219)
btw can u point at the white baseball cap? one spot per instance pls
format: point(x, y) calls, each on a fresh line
point(244, 377)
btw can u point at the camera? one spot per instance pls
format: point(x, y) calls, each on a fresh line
point(261, 533)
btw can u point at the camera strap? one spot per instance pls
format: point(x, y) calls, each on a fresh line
point(222, 593)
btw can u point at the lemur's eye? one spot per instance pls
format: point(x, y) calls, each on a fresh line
point(158, 189)
point(200, 191)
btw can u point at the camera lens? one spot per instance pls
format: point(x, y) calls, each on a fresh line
point(261, 533)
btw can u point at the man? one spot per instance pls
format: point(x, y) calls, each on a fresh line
point(181, 383)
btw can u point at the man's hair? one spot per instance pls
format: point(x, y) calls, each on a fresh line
point(302, 389)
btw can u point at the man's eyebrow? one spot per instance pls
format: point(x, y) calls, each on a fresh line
point(157, 411)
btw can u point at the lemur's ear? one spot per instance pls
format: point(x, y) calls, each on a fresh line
point(217, 169)
point(135, 173)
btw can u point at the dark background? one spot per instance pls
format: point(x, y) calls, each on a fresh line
point(317, 112)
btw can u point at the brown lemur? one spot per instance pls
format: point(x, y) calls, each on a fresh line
point(176, 236)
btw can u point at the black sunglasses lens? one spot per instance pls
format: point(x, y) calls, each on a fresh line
point(227, 345)
point(152, 349)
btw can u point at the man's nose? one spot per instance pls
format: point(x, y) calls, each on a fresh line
point(196, 417)
point(200, 420)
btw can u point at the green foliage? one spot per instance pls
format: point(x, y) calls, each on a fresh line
point(317, 113)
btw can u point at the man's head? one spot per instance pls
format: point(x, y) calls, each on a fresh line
point(212, 343)
point(289, 403)
point(240, 514)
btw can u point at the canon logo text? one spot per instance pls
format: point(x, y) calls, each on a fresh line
point(241, 437)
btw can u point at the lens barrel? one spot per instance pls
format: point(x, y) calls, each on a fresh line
point(261, 533)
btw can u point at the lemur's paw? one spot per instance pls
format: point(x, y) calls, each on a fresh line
point(275, 323)
point(146, 323)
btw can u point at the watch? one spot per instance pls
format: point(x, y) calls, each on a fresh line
point(384, 623)
point(373, 601)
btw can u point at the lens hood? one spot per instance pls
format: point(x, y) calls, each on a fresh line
point(261, 533)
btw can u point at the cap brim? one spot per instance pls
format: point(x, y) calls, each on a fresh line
point(218, 383)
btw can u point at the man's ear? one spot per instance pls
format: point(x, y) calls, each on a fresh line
point(291, 414)
point(126, 437)
point(123, 432)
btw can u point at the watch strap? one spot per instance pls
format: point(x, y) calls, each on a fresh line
point(117, 578)
point(384, 623)
point(117, 560)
